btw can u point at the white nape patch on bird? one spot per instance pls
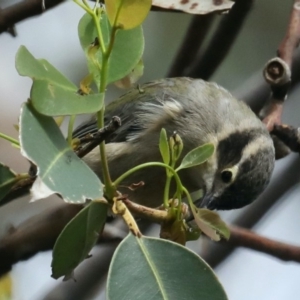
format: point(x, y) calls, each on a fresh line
point(154, 116)
point(255, 146)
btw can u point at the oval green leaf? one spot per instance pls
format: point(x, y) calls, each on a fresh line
point(129, 13)
point(150, 268)
point(126, 53)
point(60, 170)
point(197, 156)
point(77, 239)
point(28, 65)
point(51, 99)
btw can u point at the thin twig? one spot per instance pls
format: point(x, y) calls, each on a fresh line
point(21, 11)
point(289, 135)
point(100, 136)
point(240, 237)
point(222, 41)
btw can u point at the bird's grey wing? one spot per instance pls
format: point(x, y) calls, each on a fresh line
point(129, 108)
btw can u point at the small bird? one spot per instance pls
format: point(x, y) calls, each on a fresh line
point(200, 112)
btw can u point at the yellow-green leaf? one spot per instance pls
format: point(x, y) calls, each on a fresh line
point(127, 13)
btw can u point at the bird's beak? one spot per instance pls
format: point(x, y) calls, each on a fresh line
point(209, 201)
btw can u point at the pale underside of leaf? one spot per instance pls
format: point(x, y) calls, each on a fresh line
point(200, 7)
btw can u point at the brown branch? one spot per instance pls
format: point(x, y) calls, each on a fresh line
point(241, 237)
point(277, 71)
point(292, 38)
point(37, 234)
point(289, 135)
point(191, 44)
point(21, 11)
point(222, 41)
point(29, 8)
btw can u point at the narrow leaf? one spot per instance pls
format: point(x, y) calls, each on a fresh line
point(164, 146)
point(59, 169)
point(129, 13)
point(197, 156)
point(57, 100)
point(8, 179)
point(77, 239)
point(150, 268)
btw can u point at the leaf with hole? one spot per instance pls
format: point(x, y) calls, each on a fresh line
point(210, 223)
point(60, 170)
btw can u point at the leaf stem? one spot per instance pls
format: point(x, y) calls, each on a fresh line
point(146, 165)
point(70, 129)
point(167, 190)
point(10, 139)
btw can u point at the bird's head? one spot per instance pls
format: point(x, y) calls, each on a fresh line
point(244, 161)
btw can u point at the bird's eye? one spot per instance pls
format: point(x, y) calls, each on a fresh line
point(226, 176)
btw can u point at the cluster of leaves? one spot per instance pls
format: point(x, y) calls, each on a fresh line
point(113, 44)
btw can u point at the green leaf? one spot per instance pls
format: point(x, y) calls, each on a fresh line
point(126, 53)
point(59, 169)
point(164, 146)
point(197, 156)
point(58, 100)
point(77, 239)
point(193, 232)
point(127, 81)
point(27, 65)
point(8, 179)
point(150, 268)
point(210, 223)
point(129, 13)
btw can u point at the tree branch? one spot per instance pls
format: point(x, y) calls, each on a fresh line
point(289, 135)
point(21, 11)
point(191, 44)
point(277, 71)
point(221, 42)
point(36, 234)
point(241, 237)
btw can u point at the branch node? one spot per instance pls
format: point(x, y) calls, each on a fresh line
point(277, 72)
